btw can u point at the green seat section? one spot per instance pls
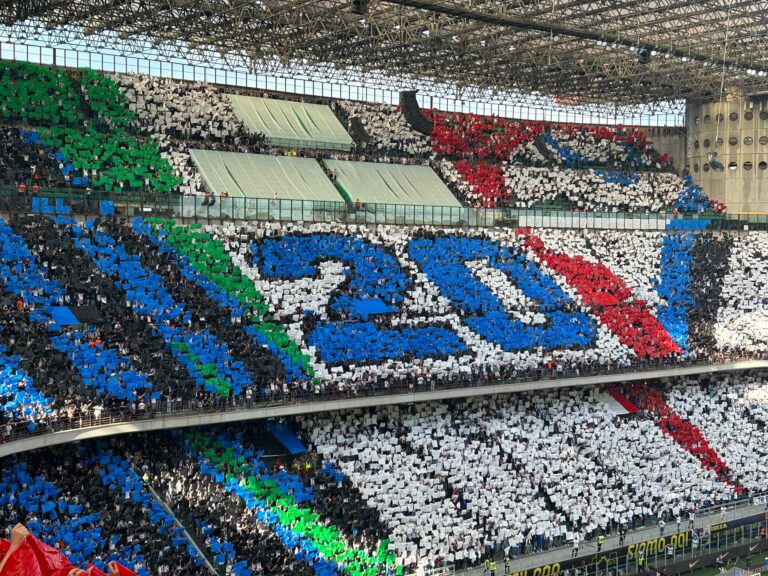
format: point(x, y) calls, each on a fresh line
point(38, 95)
point(114, 160)
point(104, 98)
point(353, 558)
point(82, 114)
point(209, 257)
point(292, 124)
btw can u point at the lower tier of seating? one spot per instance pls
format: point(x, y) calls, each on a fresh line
point(393, 489)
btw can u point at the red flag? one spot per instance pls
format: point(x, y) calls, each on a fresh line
point(34, 558)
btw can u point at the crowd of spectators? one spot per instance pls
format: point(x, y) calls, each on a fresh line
point(459, 481)
point(186, 476)
point(210, 316)
point(730, 411)
point(487, 161)
point(91, 505)
point(591, 190)
point(386, 131)
point(411, 486)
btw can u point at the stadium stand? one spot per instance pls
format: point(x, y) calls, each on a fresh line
point(91, 504)
point(292, 124)
point(590, 189)
point(495, 162)
point(192, 316)
point(147, 127)
point(85, 124)
point(289, 519)
point(386, 130)
point(456, 481)
point(178, 114)
point(406, 487)
point(250, 514)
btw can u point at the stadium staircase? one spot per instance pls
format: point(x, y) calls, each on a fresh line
point(180, 526)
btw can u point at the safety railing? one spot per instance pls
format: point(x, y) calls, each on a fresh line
point(318, 393)
point(146, 203)
point(310, 144)
point(676, 552)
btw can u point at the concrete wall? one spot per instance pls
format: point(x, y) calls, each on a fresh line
point(672, 141)
point(737, 130)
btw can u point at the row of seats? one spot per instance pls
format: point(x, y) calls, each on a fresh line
point(191, 316)
point(455, 481)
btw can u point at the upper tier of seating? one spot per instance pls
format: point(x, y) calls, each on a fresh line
point(133, 132)
point(496, 162)
point(132, 316)
point(80, 119)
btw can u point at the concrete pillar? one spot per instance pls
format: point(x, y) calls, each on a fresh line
point(737, 129)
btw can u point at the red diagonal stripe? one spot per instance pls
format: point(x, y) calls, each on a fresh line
point(611, 300)
point(683, 431)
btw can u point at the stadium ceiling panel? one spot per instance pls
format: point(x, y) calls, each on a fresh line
point(581, 51)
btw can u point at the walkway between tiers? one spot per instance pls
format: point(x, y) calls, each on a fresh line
point(340, 401)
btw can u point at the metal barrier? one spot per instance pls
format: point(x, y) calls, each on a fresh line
point(379, 389)
point(144, 203)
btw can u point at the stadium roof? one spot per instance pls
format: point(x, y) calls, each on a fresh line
point(581, 51)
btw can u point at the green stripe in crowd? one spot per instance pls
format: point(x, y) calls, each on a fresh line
point(209, 372)
point(83, 114)
point(326, 537)
point(209, 257)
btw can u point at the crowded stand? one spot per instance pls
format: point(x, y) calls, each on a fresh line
point(589, 189)
point(745, 272)
point(122, 329)
point(90, 504)
point(200, 316)
point(496, 162)
point(387, 131)
point(394, 488)
point(291, 520)
point(180, 115)
point(599, 146)
point(457, 481)
point(731, 413)
point(133, 133)
point(85, 125)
